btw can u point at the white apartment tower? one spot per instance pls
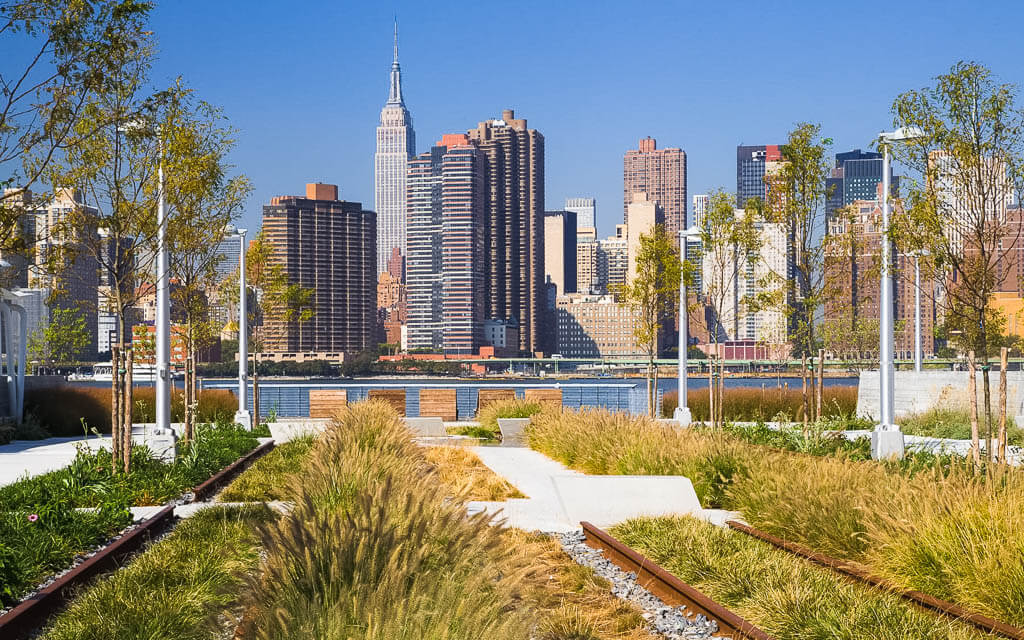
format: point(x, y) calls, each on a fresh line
point(396, 143)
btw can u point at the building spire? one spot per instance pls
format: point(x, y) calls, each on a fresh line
point(395, 94)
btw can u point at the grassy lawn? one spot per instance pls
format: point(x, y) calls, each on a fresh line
point(182, 587)
point(944, 529)
point(784, 596)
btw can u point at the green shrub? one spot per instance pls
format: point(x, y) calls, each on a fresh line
point(8, 432)
point(954, 422)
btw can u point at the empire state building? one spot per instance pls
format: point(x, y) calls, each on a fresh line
point(396, 143)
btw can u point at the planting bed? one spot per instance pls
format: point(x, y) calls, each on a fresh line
point(944, 530)
point(51, 521)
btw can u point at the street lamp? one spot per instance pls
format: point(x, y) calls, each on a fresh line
point(682, 413)
point(242, 417)
point(887, 440)
point(163, 320)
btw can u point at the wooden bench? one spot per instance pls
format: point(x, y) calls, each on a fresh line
point(551, 397)
point(393, 397)
point(325, 403)
point(438, 403)
point(487, 396)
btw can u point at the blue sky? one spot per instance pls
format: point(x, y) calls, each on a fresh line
point(304, 81)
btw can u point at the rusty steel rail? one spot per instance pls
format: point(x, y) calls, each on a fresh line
point(228, 473)
point(32, 613)
point(669, 588)
point(859, 574)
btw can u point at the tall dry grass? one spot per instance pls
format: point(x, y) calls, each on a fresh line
point(374, 550)
point(511, 408)
point(947, 531)
point(750, 404)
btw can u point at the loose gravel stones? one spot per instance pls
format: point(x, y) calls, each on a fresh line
point(671, 622)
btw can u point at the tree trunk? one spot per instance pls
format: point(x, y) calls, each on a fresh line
point(988, 407)
point(803, 404)
point(126, 430)
point(821, 381)
point(1003, 362)
point(656, 409)
point(721, 392)
point(650, 397)
point(115, 407)
point(711, 390)
point(972, 391)
point(255, 392)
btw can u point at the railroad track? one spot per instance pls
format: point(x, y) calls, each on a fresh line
point(857, 573)
point(669, 588)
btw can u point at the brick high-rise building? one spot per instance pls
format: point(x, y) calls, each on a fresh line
point(514, 223)
point(661, 174)
point(328, 245)
point(446, 247)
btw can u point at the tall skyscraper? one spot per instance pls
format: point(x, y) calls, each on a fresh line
point(751, 166)
point(445, 264)
point(560, 250)
point(328, 245)
point(396, 143)
point(661, 174)
point(643, 214)
point(700, 207)
point(514, 229)
point(856, 176)
point(585, 210)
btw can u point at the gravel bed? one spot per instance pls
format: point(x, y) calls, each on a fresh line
point(671, 622)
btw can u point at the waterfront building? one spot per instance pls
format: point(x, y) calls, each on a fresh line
point(701, 201)
point(661, 174)
point(396, 143)
point(560, 250)
point(643, 214)
point(329, 246)
point(445, 264)
point(752, 164)
point(587, 276)
point(585, 210)
point(613, 260)
point(514, 223)
point(591, 326)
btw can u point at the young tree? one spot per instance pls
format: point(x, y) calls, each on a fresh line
point(112, 160)
point(796, 196)
point(72, 53)
point(652, 293)
point(62, 340)
point(202, 200)
point(728, 242)
point(968, 167)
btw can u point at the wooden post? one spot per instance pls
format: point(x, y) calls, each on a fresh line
point(115, 406)
point(711, 390)
point(1003, 362)
point(126, 430)
point(972, 391)
point(804, 404)
point(821, 381)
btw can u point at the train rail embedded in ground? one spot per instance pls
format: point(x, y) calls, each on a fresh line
point(859, 574)
point(669, 588)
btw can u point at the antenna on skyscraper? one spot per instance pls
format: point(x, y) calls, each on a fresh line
point(396, 37)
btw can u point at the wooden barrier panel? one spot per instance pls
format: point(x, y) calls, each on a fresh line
point(324, 403)
point(544, 396)
point(438, 403)
point(394, 397)
point(487, 396)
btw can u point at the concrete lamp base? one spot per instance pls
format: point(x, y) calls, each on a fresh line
point(887, 443)
point(244, 418)
point(683, 416)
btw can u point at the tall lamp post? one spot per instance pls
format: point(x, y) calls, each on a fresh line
point(242, 417)
point(886, 439)
point(163, 317)
point(682, 413)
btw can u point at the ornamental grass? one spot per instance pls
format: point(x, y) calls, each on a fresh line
point(947, 530)
point(750, 404)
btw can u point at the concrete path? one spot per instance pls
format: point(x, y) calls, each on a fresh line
point(559, 498)
point(33, 457)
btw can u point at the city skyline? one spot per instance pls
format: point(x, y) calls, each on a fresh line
point(705, 112)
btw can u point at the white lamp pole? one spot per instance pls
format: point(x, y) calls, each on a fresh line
point(682, 413)
point(917, 313)
point(242, 417)
point(163, 318)
point(887, 440)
